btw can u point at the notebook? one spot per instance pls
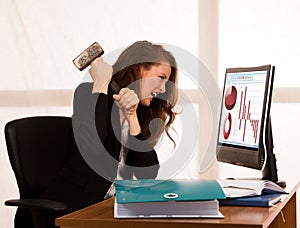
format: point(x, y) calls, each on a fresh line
point(266, 200)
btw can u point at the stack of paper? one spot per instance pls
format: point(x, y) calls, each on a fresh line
point(167, 198)
point(177, 209)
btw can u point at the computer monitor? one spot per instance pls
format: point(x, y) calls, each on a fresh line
point(245, 131)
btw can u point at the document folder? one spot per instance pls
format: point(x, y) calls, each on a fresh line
point(150, 190)
point(167, 199)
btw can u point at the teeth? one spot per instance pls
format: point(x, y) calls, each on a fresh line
point(153, 94)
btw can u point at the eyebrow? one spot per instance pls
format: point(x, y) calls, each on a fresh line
point(163, 74)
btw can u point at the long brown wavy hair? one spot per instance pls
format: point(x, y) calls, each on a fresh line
point(126, 71)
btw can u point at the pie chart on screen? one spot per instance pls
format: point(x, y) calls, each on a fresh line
point(227, 126)
point(230, 97)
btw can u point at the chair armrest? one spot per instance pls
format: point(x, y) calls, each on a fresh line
point(43, 204)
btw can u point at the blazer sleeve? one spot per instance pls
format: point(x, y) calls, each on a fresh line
point(90, 141)
point(83, 119)
point(84, 103)
point(142, 158)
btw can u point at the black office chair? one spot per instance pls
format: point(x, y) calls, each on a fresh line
point(37, 148)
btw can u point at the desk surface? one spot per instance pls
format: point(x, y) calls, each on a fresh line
point(101, 215)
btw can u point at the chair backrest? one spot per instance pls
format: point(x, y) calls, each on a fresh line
point(37, 148)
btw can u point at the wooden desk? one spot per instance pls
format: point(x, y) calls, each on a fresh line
point(101, 215)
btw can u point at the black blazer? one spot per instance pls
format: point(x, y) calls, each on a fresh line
point(96, 127)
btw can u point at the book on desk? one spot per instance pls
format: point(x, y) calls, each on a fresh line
point(265, 200)
point(258, 193)
point(168, 199)
point(244, 188)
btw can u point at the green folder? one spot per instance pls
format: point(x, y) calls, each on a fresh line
point(151, 190)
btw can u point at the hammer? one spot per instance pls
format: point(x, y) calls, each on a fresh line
point(85, 58)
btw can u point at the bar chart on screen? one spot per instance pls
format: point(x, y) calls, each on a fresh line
point(247, 116)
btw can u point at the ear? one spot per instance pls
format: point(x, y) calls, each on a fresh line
point(142, 71)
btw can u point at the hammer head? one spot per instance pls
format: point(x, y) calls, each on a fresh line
point(88, 55)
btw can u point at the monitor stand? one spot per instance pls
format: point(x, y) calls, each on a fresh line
point(269, 171)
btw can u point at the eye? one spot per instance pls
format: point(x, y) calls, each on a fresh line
point(162, 77)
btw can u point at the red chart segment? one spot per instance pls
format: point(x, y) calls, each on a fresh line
point(245, 115)
point(230, 97)
point(227, 126)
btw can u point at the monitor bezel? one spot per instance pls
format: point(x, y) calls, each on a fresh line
point(242, 155)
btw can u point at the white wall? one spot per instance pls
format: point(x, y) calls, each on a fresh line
point(40, 39)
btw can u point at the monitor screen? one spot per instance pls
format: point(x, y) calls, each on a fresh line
point(243, 116)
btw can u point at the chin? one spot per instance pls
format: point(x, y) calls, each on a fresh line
point(146, 102)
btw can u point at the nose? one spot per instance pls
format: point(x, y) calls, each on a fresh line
point(162, 88)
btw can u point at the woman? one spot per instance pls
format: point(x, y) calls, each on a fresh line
point(127, 123)
point(147, 74)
